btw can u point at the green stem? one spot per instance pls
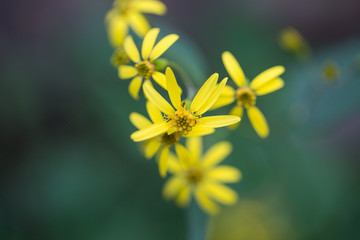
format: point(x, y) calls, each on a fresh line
point(190, 88)
point(196, 223)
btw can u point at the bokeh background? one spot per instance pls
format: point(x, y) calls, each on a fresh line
point(69, 170)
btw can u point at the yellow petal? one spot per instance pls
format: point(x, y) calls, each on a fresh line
point(150, 6)
point(218, 121)
point(173, 88)
point(156, 99)
point(203, 94)
point(222, 101)
point(149, 132)
point(225, 174)
point(174, 165)
point(117, 29)
point(148, 42)
point(163, 161)
point(151, 147)
point(139, 121)
point(221, 193)
point(163, 45)
point(183, 198)
point(266, 76)
point(183, 156)
point(194, 145)
point(172, 187)
point(199, 131)
point(233, 68)
point(236, 111)
point(134, 87)
point(154, 113)
point(126, 72)
point(270, 86)
point(138, 23)
point(213, 97)
point(216, 154)
point(159, 79)
point(228, 92)
point(258, 121)
point(131, 49)
point(205, 202)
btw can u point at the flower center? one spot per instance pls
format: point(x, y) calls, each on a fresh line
point(245, 97)
point(145, 69)
point(194, 175)
point(169, 140)
point(183, 121)
point(119, 57)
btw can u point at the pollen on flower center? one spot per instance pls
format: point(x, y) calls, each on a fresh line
point(194, 175)
point(145, 69)
point(245, 97)
point(183, 121)
point(169, 140)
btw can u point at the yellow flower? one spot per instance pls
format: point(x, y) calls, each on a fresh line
point(198, 175)
point(330, 72)
point(119, 57)
point(187, 122)
point(292, 41)
point(129, 13)
point(145, 68)
point(159, 144)
point(246, 94)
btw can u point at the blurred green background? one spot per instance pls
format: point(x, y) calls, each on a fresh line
point(70, 171)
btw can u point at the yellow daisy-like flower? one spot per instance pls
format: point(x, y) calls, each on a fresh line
point(330, 71)
point(119, 57)
point(187, 122)
point(160, 144)
point(145, 67)
point(198, 175)
point(246, 94)
point(129, 13)
point(293, 42)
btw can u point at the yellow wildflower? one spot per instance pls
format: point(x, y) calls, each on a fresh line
point(330, 71)
point(159, 144)
point(187, 122)
point(293, 42)
point(198, 175)
point(129, 13)
point(246, 94)
point(119, 57)
point(145, 68)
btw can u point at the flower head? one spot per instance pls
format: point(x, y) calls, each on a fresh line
point(199, 175)
point(119, 57)
point(186, 122)
point(144, 67)
point(159, 144)
point(246, 94)
point(293, 42)
point(129, 13)
point(330, 71)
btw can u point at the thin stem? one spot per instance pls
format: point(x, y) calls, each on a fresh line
point(197, 223)
point(186, 79)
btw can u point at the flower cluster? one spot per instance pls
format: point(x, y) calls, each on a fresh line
point(171, 121)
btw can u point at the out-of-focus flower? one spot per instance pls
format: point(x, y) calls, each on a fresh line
point(119, 57)
point(159, 144)
point(293, 42)
point(129, 13)
point(187, 122)
point(145, 67)
point(246, 94)
point(330, 71)
point(199, 175)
